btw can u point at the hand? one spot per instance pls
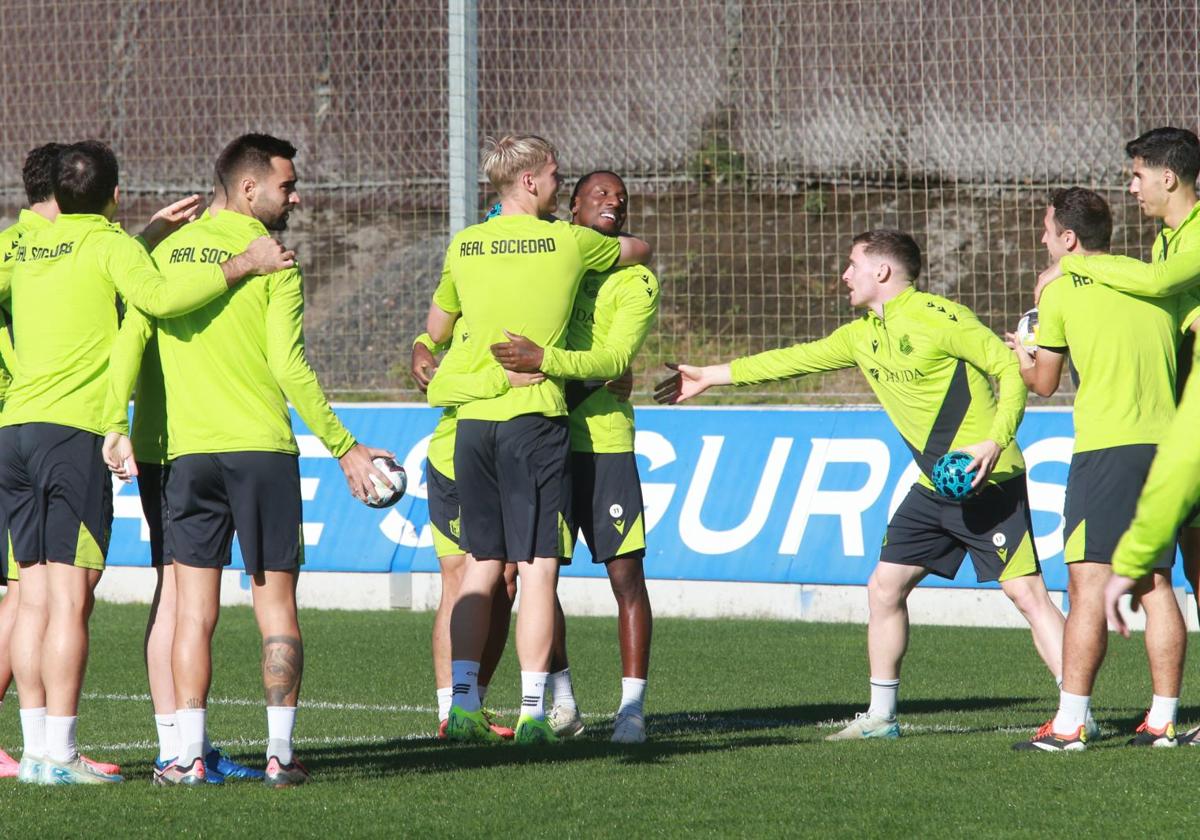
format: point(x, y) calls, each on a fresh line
point(1117, 586)
point(1014, 344)
point(688, 381)
point(265, 256)
point(1047, 277)
point(622, 386)
point(358, 469)
point(524, 380)
point(117, 452)
point(519, 354)
point(424, 366)
point(985, 454)
point(169, 219)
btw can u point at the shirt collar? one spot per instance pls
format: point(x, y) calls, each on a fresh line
point(30, 219)
point(240, 221)
point(897, 303)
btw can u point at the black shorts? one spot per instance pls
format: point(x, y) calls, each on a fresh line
point(514, 487)
point(606, 493)
point(933, 532)
point(443, 512)
point(1102, 492)
point(255, 494)
point(152, 490)
point(57, 492)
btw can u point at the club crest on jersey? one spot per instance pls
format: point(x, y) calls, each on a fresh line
point(591, 287)
point(905, 345)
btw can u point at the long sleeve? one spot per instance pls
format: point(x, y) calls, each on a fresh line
point(289, 364)
point(141, 284)
point(834, 352)
point(636, 307)
point(1177, 273)
point(124, 362)
point(974, 343)
point(1171, 491)
point(448, 389)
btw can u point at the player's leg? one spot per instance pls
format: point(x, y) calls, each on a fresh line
point(635, 624)
point(451, 572)
point(1189, 547)
point(535, 634)
point(201, 536)
point(78, 491)
point(29, 630)
point(160, 623)
point(1031, 598)
point(501, 617)
point(915, 545)
point(264, 497)
point(564, 716)
point(8, 617)
point(1166, 645)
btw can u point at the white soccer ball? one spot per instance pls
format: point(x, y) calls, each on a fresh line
point(386, 495)
point(1027, 329)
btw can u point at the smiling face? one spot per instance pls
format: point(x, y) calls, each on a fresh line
point(1149, 185)
point(601, 204)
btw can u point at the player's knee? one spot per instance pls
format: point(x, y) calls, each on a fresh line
point(882, 594)
point(627, 580)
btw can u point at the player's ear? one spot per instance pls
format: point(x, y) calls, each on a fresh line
point(1069, 239)
point(1170, 179)
point(884, 272)
point(528, 183)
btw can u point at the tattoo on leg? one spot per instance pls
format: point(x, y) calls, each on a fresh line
point(283, 664)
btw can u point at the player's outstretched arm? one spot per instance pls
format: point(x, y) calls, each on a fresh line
point(448, 390)
point(690, 381)
point(634, 251)
point(169, 219)
point(1177, 273)
point(262, 256)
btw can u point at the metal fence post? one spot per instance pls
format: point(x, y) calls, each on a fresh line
point(463, 105)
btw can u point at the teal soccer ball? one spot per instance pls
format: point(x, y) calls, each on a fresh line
point(951, 477)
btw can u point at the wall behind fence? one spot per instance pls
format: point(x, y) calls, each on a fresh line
point(758, 137)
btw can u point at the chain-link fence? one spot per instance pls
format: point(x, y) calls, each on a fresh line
point(757, 136)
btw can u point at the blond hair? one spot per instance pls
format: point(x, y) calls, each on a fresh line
point(503, 160)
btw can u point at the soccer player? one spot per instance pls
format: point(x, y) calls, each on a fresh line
point(39, 190)
point(444, 520)
point(229, 370)
point(520, 272)
point(613, 313)
point(928, 360)
point(1166, 162)
point(1122, 350)
point(53, 481)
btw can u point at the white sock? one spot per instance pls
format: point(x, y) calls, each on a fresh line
point(1162, 711)
point(561, 689)
point(60, 738)
point(482, 691)
point(883, 698)
point(466, 684)
point(445, 697)
point(33, 728)
point(191, 724)
point(1072, 712)
point(168, 737)
point(533, 694)
point(633, 695)
point(281, 720)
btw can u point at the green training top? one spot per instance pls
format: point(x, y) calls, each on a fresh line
point(518, 273)
point(928, 360)
point(1174, 268)
point(230, 367)
point(64, 293)
point(613, 313)
point(1123, 349)
point(1171, 491)
point(27, 220)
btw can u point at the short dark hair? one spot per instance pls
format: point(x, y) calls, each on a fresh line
point(1086, 213)
point(583, 179)
point(896, 245)
point(250, 152)
point(85, 176)
point(1176, 149)
point(38, 172)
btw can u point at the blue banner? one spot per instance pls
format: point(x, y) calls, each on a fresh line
point(771, 495)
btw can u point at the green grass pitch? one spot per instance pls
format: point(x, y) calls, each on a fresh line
point(737, 714)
